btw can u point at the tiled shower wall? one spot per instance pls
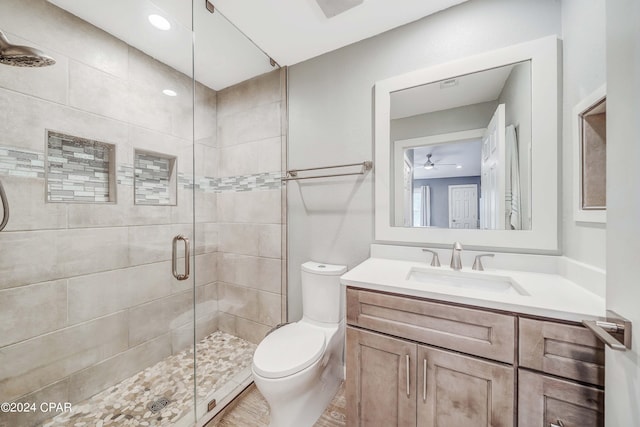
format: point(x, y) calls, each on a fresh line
point(250, 256)
point(86, 292)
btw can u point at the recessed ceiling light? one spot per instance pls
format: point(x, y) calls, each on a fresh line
point(170, 92)
point(160, 22)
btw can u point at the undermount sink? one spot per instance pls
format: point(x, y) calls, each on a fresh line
point(465, 280)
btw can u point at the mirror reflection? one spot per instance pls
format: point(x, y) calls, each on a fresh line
point(461, 151)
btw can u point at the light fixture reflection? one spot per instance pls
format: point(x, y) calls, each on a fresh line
point(160, 22)
point(170, 92)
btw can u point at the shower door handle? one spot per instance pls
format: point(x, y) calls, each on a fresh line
point(174, 263)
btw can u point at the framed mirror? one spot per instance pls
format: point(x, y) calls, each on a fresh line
point(468, 151)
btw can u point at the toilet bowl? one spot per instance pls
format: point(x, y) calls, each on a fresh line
point(298, 368)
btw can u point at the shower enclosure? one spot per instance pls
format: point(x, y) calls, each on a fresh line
point(142, 261)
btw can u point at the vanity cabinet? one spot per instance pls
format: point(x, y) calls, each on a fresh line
point(415, 362)
point(395, 382)
point(411, 380)
point(555, 350)
point(548, 401)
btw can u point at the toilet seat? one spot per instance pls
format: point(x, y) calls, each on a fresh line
point(288, 350)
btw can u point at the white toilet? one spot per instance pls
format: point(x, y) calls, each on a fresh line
point(298, 367)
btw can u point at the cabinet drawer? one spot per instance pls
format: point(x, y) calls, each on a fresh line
point(563, 350)
point(543, 401)
point(475, 332)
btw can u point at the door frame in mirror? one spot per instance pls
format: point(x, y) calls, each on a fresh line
point(544, 55)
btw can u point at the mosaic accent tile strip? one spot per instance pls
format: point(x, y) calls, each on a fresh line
point(19, 162)
point(219, 356)
point(14, 162)
point(263, 181)
point(125, 175)
point(153, 179)
point(79, 169)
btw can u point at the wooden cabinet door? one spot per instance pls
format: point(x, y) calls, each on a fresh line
point(463, 391)
point(544, 400)
point(381, 386)
point(567, 351)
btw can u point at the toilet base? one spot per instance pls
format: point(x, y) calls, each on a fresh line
point(307, 409)
point(300, 399)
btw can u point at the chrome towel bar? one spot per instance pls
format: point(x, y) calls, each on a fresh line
point(293, 173)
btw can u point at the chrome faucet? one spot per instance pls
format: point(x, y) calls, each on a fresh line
point(456, 262)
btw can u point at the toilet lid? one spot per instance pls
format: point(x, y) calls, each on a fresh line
point(288, 350)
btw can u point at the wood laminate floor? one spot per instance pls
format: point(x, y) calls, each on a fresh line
point(251, 410)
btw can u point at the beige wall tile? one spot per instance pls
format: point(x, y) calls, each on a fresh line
point(31, 116)
point(182, 338)
point(227, 323)
point(206, 210)
point(245, 238)
point(29, 311)
point(255, 124)
point(38, 362)
point(270, 155)
point(269, 309)
point(238, 300)
point(98, 377)
point(251, 331)
point(88, 215)
point(206, 237)
point(98, 92)
point(251, 157)
point(28, 208)
point(264, 89)
point(85, 251)
point(206, 299)
point(270, 240)
point(248, 271)
point(156, 318)
point(103, 293)
point(206, 325)
point(206, 268)
point(205, 114)
point(18, 251)
point(151, 243)
point(258, 207)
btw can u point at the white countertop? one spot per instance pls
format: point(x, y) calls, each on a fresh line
point(550, 295)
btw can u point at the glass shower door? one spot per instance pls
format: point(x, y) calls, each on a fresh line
point(96, 157)
point(135, 136)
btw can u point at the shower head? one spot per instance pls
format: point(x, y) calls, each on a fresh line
point(22, 56)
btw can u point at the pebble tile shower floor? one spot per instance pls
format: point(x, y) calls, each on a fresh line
point(220, 358)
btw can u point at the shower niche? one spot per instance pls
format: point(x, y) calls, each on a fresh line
point(79, 170)
point(155, 179)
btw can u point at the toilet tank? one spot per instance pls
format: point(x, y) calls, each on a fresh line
point(322, 299)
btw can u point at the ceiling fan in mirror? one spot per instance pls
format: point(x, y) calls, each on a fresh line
point(429, 164)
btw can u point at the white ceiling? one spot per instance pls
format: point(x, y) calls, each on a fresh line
point(290, 31)
point(470, 89)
